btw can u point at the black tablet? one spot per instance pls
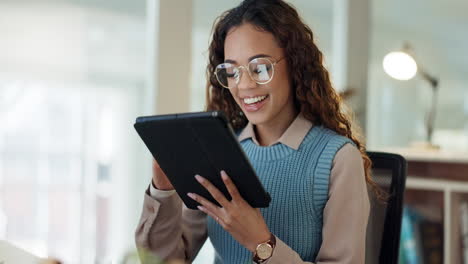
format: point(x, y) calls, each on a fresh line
point(200, 143)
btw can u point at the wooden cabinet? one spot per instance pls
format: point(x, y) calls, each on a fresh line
point(436, 186)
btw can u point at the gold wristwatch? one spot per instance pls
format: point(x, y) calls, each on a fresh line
point(264, 250)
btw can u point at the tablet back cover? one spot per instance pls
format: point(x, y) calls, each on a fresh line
point(200, 143)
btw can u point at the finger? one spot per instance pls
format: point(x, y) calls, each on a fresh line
point(155, 167)
point(205, 203)
point(231, 187)
point(155, 163)
point(217, 195)
point(212, 214)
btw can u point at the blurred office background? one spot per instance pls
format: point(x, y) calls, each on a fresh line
point(74, 75)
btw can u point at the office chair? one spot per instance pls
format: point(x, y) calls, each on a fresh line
point(383, 229)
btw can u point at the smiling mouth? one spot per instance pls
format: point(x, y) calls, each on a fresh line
point(254, 100)
point(254, 104)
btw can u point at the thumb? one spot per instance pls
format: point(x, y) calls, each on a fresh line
point(156, 164)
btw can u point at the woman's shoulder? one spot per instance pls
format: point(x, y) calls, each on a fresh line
point(348, 151)
point(330, 136)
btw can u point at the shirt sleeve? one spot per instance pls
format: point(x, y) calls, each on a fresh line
point(159, 194)
point(346, 212)
point(168, 230)
point(345, 215)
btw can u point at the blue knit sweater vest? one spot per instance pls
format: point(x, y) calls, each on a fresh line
point(297, 181)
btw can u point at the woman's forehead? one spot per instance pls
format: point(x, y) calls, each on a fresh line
point(245, 41)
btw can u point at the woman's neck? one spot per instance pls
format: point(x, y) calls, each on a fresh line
point(268, 133)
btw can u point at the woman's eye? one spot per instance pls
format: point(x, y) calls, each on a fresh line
point(261, 68)
point(231, 75)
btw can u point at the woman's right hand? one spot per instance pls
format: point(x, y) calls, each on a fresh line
point(160, 180)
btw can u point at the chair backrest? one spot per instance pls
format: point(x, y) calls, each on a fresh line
point(383, 229)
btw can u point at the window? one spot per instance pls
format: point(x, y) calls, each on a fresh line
point(72, 81)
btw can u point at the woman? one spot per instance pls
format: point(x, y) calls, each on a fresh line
point(266, 73)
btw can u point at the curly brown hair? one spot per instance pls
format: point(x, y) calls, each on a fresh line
point(314, 95)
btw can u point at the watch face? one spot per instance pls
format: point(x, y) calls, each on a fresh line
point(264, 251)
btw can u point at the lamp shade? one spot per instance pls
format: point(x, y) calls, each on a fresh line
point(400, 65)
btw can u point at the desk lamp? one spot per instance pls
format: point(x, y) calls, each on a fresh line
point(402, 66)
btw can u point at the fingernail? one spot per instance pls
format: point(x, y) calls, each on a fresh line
point(200, 207)
point(191, 195)
point(224, 175)
point(199, 178)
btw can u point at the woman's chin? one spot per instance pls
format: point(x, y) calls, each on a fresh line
point(256, 118)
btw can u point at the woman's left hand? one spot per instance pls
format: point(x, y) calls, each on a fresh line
point(243, 222)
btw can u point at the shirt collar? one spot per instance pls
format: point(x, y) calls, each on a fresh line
point(292, 137)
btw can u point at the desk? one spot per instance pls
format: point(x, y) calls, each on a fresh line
point(10, 254)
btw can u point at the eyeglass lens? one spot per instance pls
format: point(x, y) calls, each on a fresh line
point(260, 70)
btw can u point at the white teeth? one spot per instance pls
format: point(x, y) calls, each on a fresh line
point(254, 99)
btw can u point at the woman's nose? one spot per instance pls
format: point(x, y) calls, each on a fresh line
point(245, 82)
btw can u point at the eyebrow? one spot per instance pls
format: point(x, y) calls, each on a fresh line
point(251, 58)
